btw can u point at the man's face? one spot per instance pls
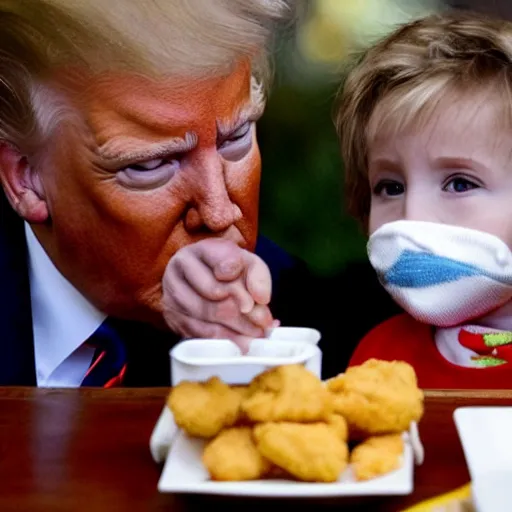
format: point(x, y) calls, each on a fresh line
point(161, 165)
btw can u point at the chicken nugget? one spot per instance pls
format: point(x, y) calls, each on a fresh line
point(339, 425)
point(277, 473)
point(377, 456)
point(287, 393)
point(203, 409)
point(377, 397)
point(310, 452)
point(233, 455)
point(242, 390)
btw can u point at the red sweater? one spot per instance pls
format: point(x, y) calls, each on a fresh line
point(403, 338)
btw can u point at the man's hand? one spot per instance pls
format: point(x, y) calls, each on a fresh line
point(215, 289)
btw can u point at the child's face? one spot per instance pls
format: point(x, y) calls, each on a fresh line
point(456, 169)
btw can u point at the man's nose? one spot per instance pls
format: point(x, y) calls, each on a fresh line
point(212, 207)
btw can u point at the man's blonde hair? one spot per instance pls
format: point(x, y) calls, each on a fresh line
point(401, 80)
point(183, 38)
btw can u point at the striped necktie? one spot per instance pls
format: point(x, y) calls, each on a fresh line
point(108, 366)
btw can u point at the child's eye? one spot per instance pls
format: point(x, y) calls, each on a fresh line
point(388, 188)
point(459, 184)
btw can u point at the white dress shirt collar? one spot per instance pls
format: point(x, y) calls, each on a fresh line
point(62, 320)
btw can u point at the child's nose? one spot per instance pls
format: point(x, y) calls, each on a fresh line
point(418, 206)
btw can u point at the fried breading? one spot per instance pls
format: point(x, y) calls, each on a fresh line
point(287, 393)
point(339, 425)
point(203, 409)
point(377, 397)
point(277, 473)
point(310, 452)
point(233, 456)
point(377, 456)
point(242, 390)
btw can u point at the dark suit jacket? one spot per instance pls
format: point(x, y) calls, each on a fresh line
point(342, 307)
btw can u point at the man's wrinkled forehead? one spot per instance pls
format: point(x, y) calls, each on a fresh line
point(169, 107)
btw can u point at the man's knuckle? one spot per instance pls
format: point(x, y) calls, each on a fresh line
point(217, 291)
point(226, 310)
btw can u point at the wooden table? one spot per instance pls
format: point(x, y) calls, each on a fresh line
point(73, 450)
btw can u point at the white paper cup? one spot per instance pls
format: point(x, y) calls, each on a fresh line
point(199, 359)
point(304, 334)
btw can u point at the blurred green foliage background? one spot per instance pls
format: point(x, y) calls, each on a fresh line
point(302, 205)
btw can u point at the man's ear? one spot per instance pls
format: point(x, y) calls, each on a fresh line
point(21, 185)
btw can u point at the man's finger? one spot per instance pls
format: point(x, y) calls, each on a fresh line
point(261, 316)
point(180, 298)
point(258, 279)
point(227, 314)
point(241, 295)
point(194, 328)
point(200, 277)
point(224, 257)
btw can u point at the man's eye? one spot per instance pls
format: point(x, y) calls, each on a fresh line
point(237, 135)
point(238, 144)
point(150, 165)
point(388, 188)
point(459, 184)
point(149, 174)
